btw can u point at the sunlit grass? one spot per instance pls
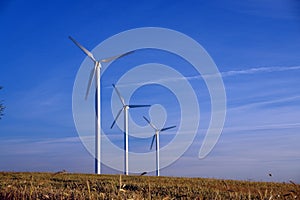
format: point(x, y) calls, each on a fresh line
point(15, 185)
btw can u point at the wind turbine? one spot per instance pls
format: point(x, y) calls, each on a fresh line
point(97, 70)
point(125, 108)
point(156, 135)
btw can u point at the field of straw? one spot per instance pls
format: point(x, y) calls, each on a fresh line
point(15, 185)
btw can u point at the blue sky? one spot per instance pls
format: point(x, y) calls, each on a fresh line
point(255, 45)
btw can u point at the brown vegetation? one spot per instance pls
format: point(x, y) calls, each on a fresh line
point(88, 186)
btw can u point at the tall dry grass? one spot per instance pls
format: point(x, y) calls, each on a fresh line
point(86, 186)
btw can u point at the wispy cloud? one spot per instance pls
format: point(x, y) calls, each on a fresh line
point(273, 126)
point(247, 71)
point(29, 147)
point(48, 154)
point(267, 102)
point(256, 70)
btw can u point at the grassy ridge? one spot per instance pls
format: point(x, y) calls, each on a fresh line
point(87, 186)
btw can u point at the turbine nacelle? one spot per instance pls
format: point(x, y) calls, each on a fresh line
point(157, 131)
point(97, 63)
point(125, 106)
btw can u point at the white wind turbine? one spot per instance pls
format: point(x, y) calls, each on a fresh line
point(125, 108)
point(97, 70)
point(156, 135)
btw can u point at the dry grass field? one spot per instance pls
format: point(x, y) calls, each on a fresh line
point(21, 186)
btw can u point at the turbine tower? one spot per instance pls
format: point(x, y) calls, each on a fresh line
point(125, 108)
point(97, 71)
point(156, 135)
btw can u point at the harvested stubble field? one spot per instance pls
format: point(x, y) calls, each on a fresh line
point(15, 185)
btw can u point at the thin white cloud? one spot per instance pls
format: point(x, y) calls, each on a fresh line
point(59, 140)
point(248, 71)
point(36, 147)
point(267, 102)
point(256, 70)
point(273, 126)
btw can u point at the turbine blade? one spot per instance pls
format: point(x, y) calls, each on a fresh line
point(92, 74)
point(116, 118)
point(167, 128)
point(116, 57)
point(119, 94)
point(152, 125)
point(87, 52)
point(152, 141)
point(147, 120)
point(138, 106)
